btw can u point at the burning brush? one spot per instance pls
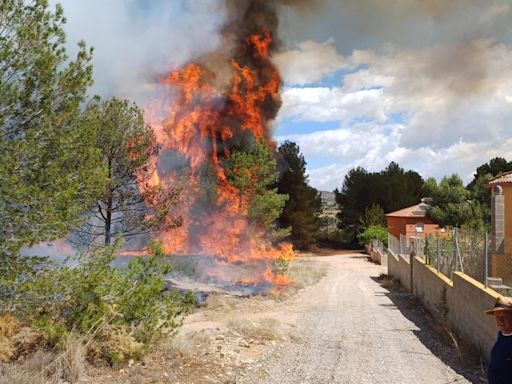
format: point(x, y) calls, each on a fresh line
point(222, 101)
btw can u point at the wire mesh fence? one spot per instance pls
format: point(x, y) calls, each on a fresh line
point(463, 251)
point(476, 254)
point(406, 245)
point(378, 245)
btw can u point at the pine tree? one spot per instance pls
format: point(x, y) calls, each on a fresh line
point(49, 167)
point(128, 205)
point(254, 174)
point(392, 189)
point(302, 210)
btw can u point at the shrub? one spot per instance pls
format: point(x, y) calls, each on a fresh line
point(373, 232)
point(93, 295)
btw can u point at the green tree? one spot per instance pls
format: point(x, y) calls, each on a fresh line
point(452, 205)
point(373, 216)
point(302, 210)
point(392, 189)
point(373, 232)
point(49, 168)
point(493, 168)
point(254, 174)
point(128, 206)
point(478, 191)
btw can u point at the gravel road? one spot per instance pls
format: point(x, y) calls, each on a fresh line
point(359, 332)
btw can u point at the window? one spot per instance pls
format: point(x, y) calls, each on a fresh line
point(419, 227)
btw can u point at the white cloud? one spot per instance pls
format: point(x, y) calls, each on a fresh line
point(350, 143)
point(461, 158)
point(330, 104)
point(309, 62)
point(439, 110)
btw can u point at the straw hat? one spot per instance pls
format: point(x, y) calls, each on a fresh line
point(503, 304)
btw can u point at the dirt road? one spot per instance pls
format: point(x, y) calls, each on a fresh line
point(356, 331)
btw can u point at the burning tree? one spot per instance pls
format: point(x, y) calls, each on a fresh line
point(254, 174)
point(126, 145)
point(223, 103)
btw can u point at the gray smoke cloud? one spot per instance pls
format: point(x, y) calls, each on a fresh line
point(134, 41)
point(451, 32)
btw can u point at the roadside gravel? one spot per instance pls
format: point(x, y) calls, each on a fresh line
point(356, 331)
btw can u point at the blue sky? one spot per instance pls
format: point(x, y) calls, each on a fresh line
point(365, 82)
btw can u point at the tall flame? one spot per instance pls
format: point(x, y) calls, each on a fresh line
point(201, 125)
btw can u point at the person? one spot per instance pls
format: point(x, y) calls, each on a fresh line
point(499, 370)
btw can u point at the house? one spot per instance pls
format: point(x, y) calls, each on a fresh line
point(501, 220)
point(412, 221)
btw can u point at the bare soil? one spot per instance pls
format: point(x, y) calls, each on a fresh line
point(342, 323)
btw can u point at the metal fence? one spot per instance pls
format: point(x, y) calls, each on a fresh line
point(463, 251)
point(378, 245)
point(473, 253)
point(404, 246)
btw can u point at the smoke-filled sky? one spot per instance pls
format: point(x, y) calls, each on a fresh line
point(427, 84)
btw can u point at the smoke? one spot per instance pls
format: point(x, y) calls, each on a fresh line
point(133, 40)
point(409, 24)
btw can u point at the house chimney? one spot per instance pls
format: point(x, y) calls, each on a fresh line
point(498, 220)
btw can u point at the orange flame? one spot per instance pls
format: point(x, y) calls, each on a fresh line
point(198, 126)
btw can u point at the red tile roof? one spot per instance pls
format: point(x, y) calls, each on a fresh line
point(418, 210)
point(501, 179)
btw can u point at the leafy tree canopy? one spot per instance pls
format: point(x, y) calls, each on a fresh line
point(128, 205)
point(391, 189)
point(254, 174)
point(452, 204)
point(49, 168)
point(493, 168)
point(483, 174)
point(373, 232)
point(373, 216)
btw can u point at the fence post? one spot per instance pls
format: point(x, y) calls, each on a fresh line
point(457, 249)
point(486, 259)
point(438, 252)
point(411, 261)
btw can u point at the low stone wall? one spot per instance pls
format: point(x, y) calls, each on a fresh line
point(376, 256)
point(466, 305)
point(400, 269)
point(431, 287)
point(459, 302)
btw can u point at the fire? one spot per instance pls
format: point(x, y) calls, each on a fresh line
point(199, 125)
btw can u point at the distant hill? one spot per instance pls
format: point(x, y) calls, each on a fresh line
point(328, 199)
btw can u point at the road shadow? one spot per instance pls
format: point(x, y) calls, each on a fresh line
point(431, 332)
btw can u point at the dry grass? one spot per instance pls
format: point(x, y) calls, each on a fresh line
point(9, 326)
point(13, 374)
point(73, 360)
point(185, 343)
point(265, 329)
point(305, 272)
point(389, 282)
point(114, 342)
point(217, 305)
point(218, 300)
point(44, 367)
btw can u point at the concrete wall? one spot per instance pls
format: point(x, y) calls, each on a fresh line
point(459, 302)
point(376, 256)
point(466, 303)
point(400, 269)
point(431, 287)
